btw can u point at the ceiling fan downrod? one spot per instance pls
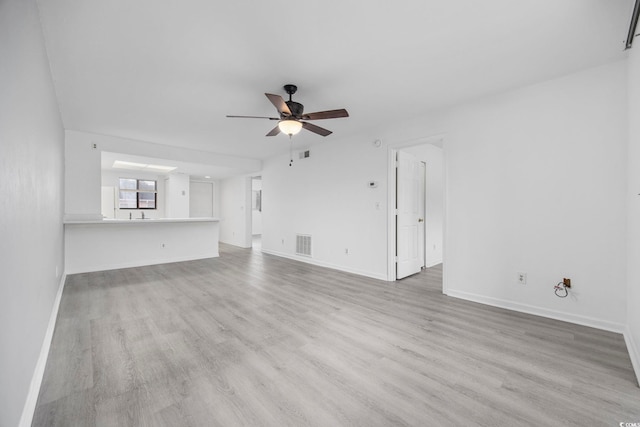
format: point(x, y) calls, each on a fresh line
point(290, 89)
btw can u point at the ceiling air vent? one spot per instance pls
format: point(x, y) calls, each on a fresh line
point(305, 154)
point(303, 244)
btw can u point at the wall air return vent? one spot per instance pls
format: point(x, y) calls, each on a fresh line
point(303, 244)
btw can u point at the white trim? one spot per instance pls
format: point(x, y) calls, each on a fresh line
point(36, 381)
point(391, 215)
point(136, 221)
point(634, 353)
point(238, 245)
point(433, 263)
point(312, 261)
point(445, 215)
point(140, 263)
point(540, 311)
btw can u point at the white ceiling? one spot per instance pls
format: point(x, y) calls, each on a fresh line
point(168, 72)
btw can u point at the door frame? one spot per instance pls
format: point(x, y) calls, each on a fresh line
point(422, 227)
point(392, 149)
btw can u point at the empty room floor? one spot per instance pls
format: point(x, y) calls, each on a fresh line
point(253, 339)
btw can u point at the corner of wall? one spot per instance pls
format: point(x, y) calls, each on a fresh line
point(634, 352)
point(38, 374)
point(632, 332)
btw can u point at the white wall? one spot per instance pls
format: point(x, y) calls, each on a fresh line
point(82, 178)
point(633, 211)
point(535, 181)
point(434, 200)
point(177, 195)
point(112, 179)
point(235, 211)
point(31, 185)
point(327, 197)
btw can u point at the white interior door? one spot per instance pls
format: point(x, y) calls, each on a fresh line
point(408, 178)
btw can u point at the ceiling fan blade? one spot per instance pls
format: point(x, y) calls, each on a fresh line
point(316, 129)
point(330, 114)
point(252, 117)
point(279, 103)
point(274, 131)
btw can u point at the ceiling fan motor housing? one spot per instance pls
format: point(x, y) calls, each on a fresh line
point(295, 107)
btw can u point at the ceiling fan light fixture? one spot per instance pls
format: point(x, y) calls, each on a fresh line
point(290, 127)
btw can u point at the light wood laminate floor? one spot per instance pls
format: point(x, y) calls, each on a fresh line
point(257, 340)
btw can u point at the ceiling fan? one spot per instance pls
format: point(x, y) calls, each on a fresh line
point(292, 116)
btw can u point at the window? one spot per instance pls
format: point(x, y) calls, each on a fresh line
point(137, 194)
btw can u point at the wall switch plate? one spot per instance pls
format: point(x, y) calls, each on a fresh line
point(521, 278)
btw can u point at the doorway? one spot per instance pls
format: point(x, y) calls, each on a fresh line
point(256, 213)
point(416, 226)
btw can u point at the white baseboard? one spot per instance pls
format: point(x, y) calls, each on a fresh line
point(433, 262)
point(237, 244)
point(74, 269)
point(312, 261)
point(38, 374)
point(634, 353)
point(540, 311)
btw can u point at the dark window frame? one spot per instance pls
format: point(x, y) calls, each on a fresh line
point(137, 191)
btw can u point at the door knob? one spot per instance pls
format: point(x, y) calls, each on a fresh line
point(420, 220)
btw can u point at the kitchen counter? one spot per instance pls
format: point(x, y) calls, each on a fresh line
point(107, 244)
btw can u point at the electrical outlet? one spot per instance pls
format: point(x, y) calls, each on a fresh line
point(521, 278)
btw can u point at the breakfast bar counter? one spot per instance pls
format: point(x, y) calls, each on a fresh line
point(107, 244)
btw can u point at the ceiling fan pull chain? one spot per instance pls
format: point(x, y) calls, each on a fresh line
point(290, 151)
